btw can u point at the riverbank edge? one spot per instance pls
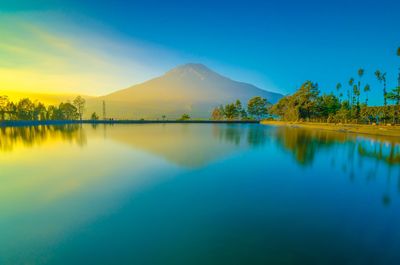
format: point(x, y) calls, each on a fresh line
point(376, 130)
point(111, 122)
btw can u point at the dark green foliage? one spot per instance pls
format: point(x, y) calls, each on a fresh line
point(302, 105)
point(307, 105)
point(27, 110)
point(94, 116)
point(235, 111)
point(79, 103)
point(382, 79)
point(185, 117)
point(257, 107)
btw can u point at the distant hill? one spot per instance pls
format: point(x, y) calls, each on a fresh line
point(190, 88)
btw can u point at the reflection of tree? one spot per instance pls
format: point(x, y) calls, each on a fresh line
point(392, 157)
point(34, 135)
point(304, 143)
point(255, 135)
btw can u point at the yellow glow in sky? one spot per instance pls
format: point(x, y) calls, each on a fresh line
point(46, 53)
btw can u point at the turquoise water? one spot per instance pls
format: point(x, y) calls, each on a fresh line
point(197, 194)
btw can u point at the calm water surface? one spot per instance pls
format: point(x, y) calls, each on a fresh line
point(197, 194)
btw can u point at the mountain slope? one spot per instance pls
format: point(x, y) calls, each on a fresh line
point(190, 88)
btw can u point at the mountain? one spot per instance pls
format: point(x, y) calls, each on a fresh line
point(190, 88)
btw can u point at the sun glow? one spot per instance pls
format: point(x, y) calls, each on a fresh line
point(47, 53)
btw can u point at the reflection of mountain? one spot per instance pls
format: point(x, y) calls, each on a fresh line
point(189, 145)
point(11, 137)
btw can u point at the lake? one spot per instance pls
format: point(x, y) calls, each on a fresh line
point(197, 194)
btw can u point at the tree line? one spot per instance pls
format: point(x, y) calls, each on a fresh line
point(28, 110)
point(308, 104)
point(257, 108)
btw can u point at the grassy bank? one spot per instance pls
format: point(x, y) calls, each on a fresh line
point(378, 130)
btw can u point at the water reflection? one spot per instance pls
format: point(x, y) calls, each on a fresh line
point(189, 145)
point(167, 141)
point(229, 190)
point(359, 157)
point(11, 137)
point(305, 144)
point(250, 135)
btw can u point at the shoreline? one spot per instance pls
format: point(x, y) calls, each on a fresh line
point(111, 122)
point(365, 129)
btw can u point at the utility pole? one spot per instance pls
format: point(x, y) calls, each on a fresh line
point(104, 110)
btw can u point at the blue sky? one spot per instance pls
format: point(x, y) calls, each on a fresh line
point(275, 45)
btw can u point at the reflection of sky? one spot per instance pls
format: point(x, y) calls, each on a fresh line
point(52, 189)
point(58, 194)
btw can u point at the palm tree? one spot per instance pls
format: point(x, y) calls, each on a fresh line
point(394, 95)
point(382, 79)
point(360, 75)
point(351, 83)
point(338, 87)
point(367, 88)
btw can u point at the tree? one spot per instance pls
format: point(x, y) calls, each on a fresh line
point(394, 96)
point(338, 87)
point(360, 73)
point(230, 111)
point(367, 88)
point(216, 114)
point(94, 116)
point(382, 79)
point(241, 112)
point(327, 106)
point(257, 107)
point(163, 117)
point(302, 105)
point(25, 109)
point(185, 117)
point(356, 95)
point(351, 98)
point(344, 113)
point(67, 111)
point(3, 106)
point(51, 112)
point(79, 103)
point(39, 112)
